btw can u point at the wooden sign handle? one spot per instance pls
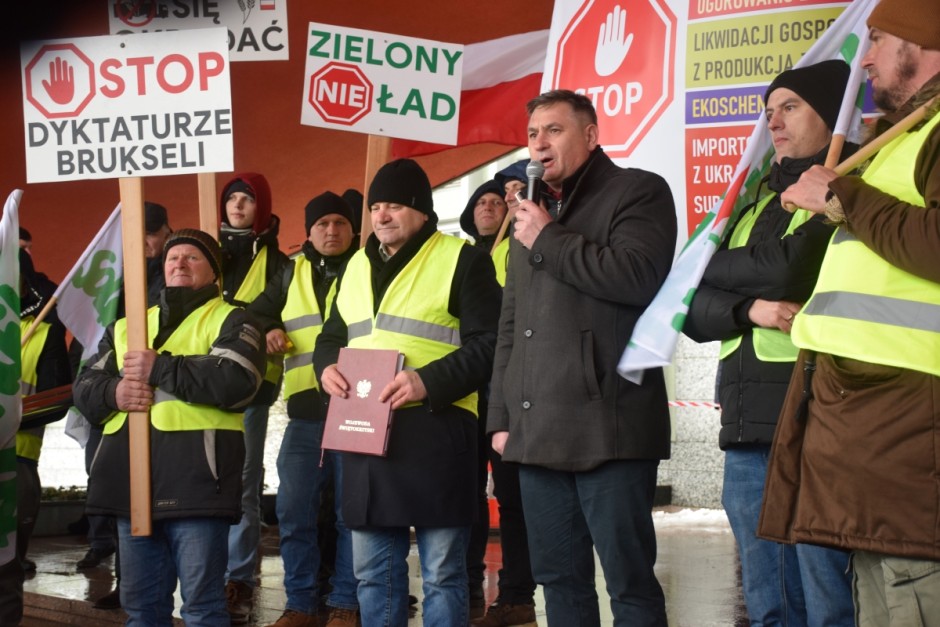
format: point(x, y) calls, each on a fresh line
point(208, 204)
point(135, 306)
point(377, 154)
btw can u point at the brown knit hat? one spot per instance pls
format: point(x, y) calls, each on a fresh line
point(201, 240)
point(916, 21)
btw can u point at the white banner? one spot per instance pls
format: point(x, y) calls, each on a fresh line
point(135, 105)
point(87, 300)
point(382, 84)
point(257, 31)
point(10, 406)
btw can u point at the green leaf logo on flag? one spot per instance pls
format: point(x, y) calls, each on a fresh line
point(102, 283)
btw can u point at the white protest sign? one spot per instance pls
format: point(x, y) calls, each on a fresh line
point(382, 84)
point(135, 105)
point(257, 31)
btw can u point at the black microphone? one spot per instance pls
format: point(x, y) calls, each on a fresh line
point(534, 172)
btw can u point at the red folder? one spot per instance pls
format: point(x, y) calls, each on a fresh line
point(359, 423)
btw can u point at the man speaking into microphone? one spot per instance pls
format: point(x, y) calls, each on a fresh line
point(588, 442)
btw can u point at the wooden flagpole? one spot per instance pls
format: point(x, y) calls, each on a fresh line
point(377, 154)
point(135, 306)
point(208, 204)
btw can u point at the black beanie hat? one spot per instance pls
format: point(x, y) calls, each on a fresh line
point(466, 218)
point(323, 205)
point(821, 85)
point(354, 199)
point(201, 240)
point(154, 217)
point(403, 182)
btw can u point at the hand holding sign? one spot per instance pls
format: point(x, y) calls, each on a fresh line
point(61, 83)
point(613, 43)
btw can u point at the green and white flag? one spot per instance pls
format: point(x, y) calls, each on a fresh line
point(657, 331)
point(87, 300)
point(10, 403)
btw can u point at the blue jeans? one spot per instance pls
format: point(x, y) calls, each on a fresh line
point(298, 503)
point(192, 549)
point(380, 559)
point(243, 538)
point(788, 585)
point(570, 514)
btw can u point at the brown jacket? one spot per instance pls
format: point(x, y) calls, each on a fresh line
point(858, 467)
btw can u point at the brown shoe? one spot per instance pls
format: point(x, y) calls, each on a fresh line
point(293, 618)
point(499, 615)
point(238, 602)
point(340, 617)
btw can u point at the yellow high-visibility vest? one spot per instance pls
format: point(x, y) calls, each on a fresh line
point(865, 308)
point(501, 261)
point(194, 336)
point(769, 344)
point(303, 322)
point(412, 317)
point(252, 286)
point(29, 441)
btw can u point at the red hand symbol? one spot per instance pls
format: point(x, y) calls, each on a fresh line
point(61, 83)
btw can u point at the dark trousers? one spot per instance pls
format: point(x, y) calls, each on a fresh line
point(568, 515)
point(28, 494)
point(516, 586)
point(480, 531)
point(102, 530)
point(11, 592)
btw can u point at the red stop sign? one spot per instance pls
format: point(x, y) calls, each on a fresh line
point(60, 80)
point(620, 54)
point(340, 93)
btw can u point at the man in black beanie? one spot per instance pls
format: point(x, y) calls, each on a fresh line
point(753, 286)
point(291, 312)
point(436, 300)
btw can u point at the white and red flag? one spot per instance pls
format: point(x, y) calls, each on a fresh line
point(499, 77)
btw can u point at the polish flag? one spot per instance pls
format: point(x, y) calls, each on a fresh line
point(499, 77)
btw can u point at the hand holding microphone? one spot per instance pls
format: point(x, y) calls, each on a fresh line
point(534, 171)
point(531, 218)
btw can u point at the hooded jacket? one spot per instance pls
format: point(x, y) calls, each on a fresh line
point(241, 248)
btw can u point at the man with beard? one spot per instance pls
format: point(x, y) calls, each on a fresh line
point(856, 457)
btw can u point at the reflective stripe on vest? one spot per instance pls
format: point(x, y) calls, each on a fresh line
point(194, 336)
point(252, 286)
point(412, 317)
point(769, 344)
point(501, 261)
point(865, 308)
point(303, 322)
point(29, 441)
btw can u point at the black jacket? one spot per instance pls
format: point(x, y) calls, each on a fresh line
point(53, 367)
point(569, 308)
point(429, 476)
point(770, 267)
point(239, 249)
point(193, 473)
point(267, 308)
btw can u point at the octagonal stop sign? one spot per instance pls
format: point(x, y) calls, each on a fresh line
point(620, 54)
point(59, 80)
point(340, 93)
